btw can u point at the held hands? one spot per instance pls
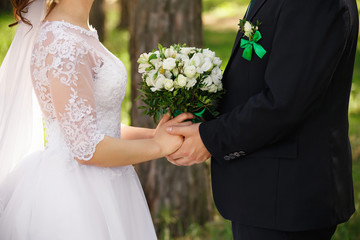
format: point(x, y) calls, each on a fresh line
point(169, 143)
point(192, 151)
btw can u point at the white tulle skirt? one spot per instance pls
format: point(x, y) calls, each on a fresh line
point(47, 198)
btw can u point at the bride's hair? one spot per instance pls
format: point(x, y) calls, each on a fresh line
point(20, 7)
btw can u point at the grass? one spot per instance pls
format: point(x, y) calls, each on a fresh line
point(219, 35)
point(220, 41)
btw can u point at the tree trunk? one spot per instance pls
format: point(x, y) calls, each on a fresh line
point(177, 196)
point(125, 14)
point(5, 6)
point(97, 18)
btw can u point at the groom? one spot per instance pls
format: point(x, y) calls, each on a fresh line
point(281, 158)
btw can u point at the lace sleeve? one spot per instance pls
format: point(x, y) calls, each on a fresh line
point(70, 66)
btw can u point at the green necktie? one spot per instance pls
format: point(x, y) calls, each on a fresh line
point(249, 8)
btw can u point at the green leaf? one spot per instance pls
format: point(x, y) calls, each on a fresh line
point(152, 56)
point(138, 97)
point(160, 47)
point(149, 68)
point(156, 75)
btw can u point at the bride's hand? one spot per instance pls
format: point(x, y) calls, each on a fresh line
point(170, 143)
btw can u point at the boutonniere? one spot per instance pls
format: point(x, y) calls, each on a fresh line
point(253, 34)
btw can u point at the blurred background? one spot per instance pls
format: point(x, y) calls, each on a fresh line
point(180, 198)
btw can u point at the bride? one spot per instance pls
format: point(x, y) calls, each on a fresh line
point(83, 185)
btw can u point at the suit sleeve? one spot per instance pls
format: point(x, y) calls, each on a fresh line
point(309, 41)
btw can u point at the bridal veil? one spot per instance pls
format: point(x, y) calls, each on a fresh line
point(21, 128)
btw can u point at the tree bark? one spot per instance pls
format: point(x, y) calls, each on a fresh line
point(5, 5)
point(125, 14)
point(97, 18)
point(177, 196)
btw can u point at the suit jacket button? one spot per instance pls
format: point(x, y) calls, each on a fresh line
point(236, 154)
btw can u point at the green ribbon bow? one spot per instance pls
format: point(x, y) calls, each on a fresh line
point(249, 45)
point(198, 116)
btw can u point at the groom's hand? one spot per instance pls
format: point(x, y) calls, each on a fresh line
point(193, 150)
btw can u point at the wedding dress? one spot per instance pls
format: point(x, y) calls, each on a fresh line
point(80, 86)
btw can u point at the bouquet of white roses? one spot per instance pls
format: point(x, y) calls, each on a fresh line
point(180, 79)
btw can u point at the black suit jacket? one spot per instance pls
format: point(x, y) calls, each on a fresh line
point(281, 153)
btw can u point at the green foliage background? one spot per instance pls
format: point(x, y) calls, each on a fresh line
point(220, 38)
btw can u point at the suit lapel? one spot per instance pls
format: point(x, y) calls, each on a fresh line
point(237, 41)
point(257, 5)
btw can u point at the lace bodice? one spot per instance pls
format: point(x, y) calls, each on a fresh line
point(80, 86)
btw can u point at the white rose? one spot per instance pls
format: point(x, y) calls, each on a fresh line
point(247, 26)
point(157, 53)
point(190, 71)
point(220, 87)
point(143, 67)
point(170, 53)
point(217, 72)
point(168, 74)
point(184, 58)
point(187, 50)
point(184, 62)
point(208, 53)
point(208, 81)
point(181, 81)
point(144, 58)
point(213, 88)
point(152, 73)
point(217, 61)
point(247, 29)
point(169, 63)
point(156, 62)
point(207, 66)
point(169, 84)
point(175, 72)
point(159, 83)
point(217, 81)
point(191, 82)
point(150, 78)
point(197, 60)
point(216, 75)
point(150, 82)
